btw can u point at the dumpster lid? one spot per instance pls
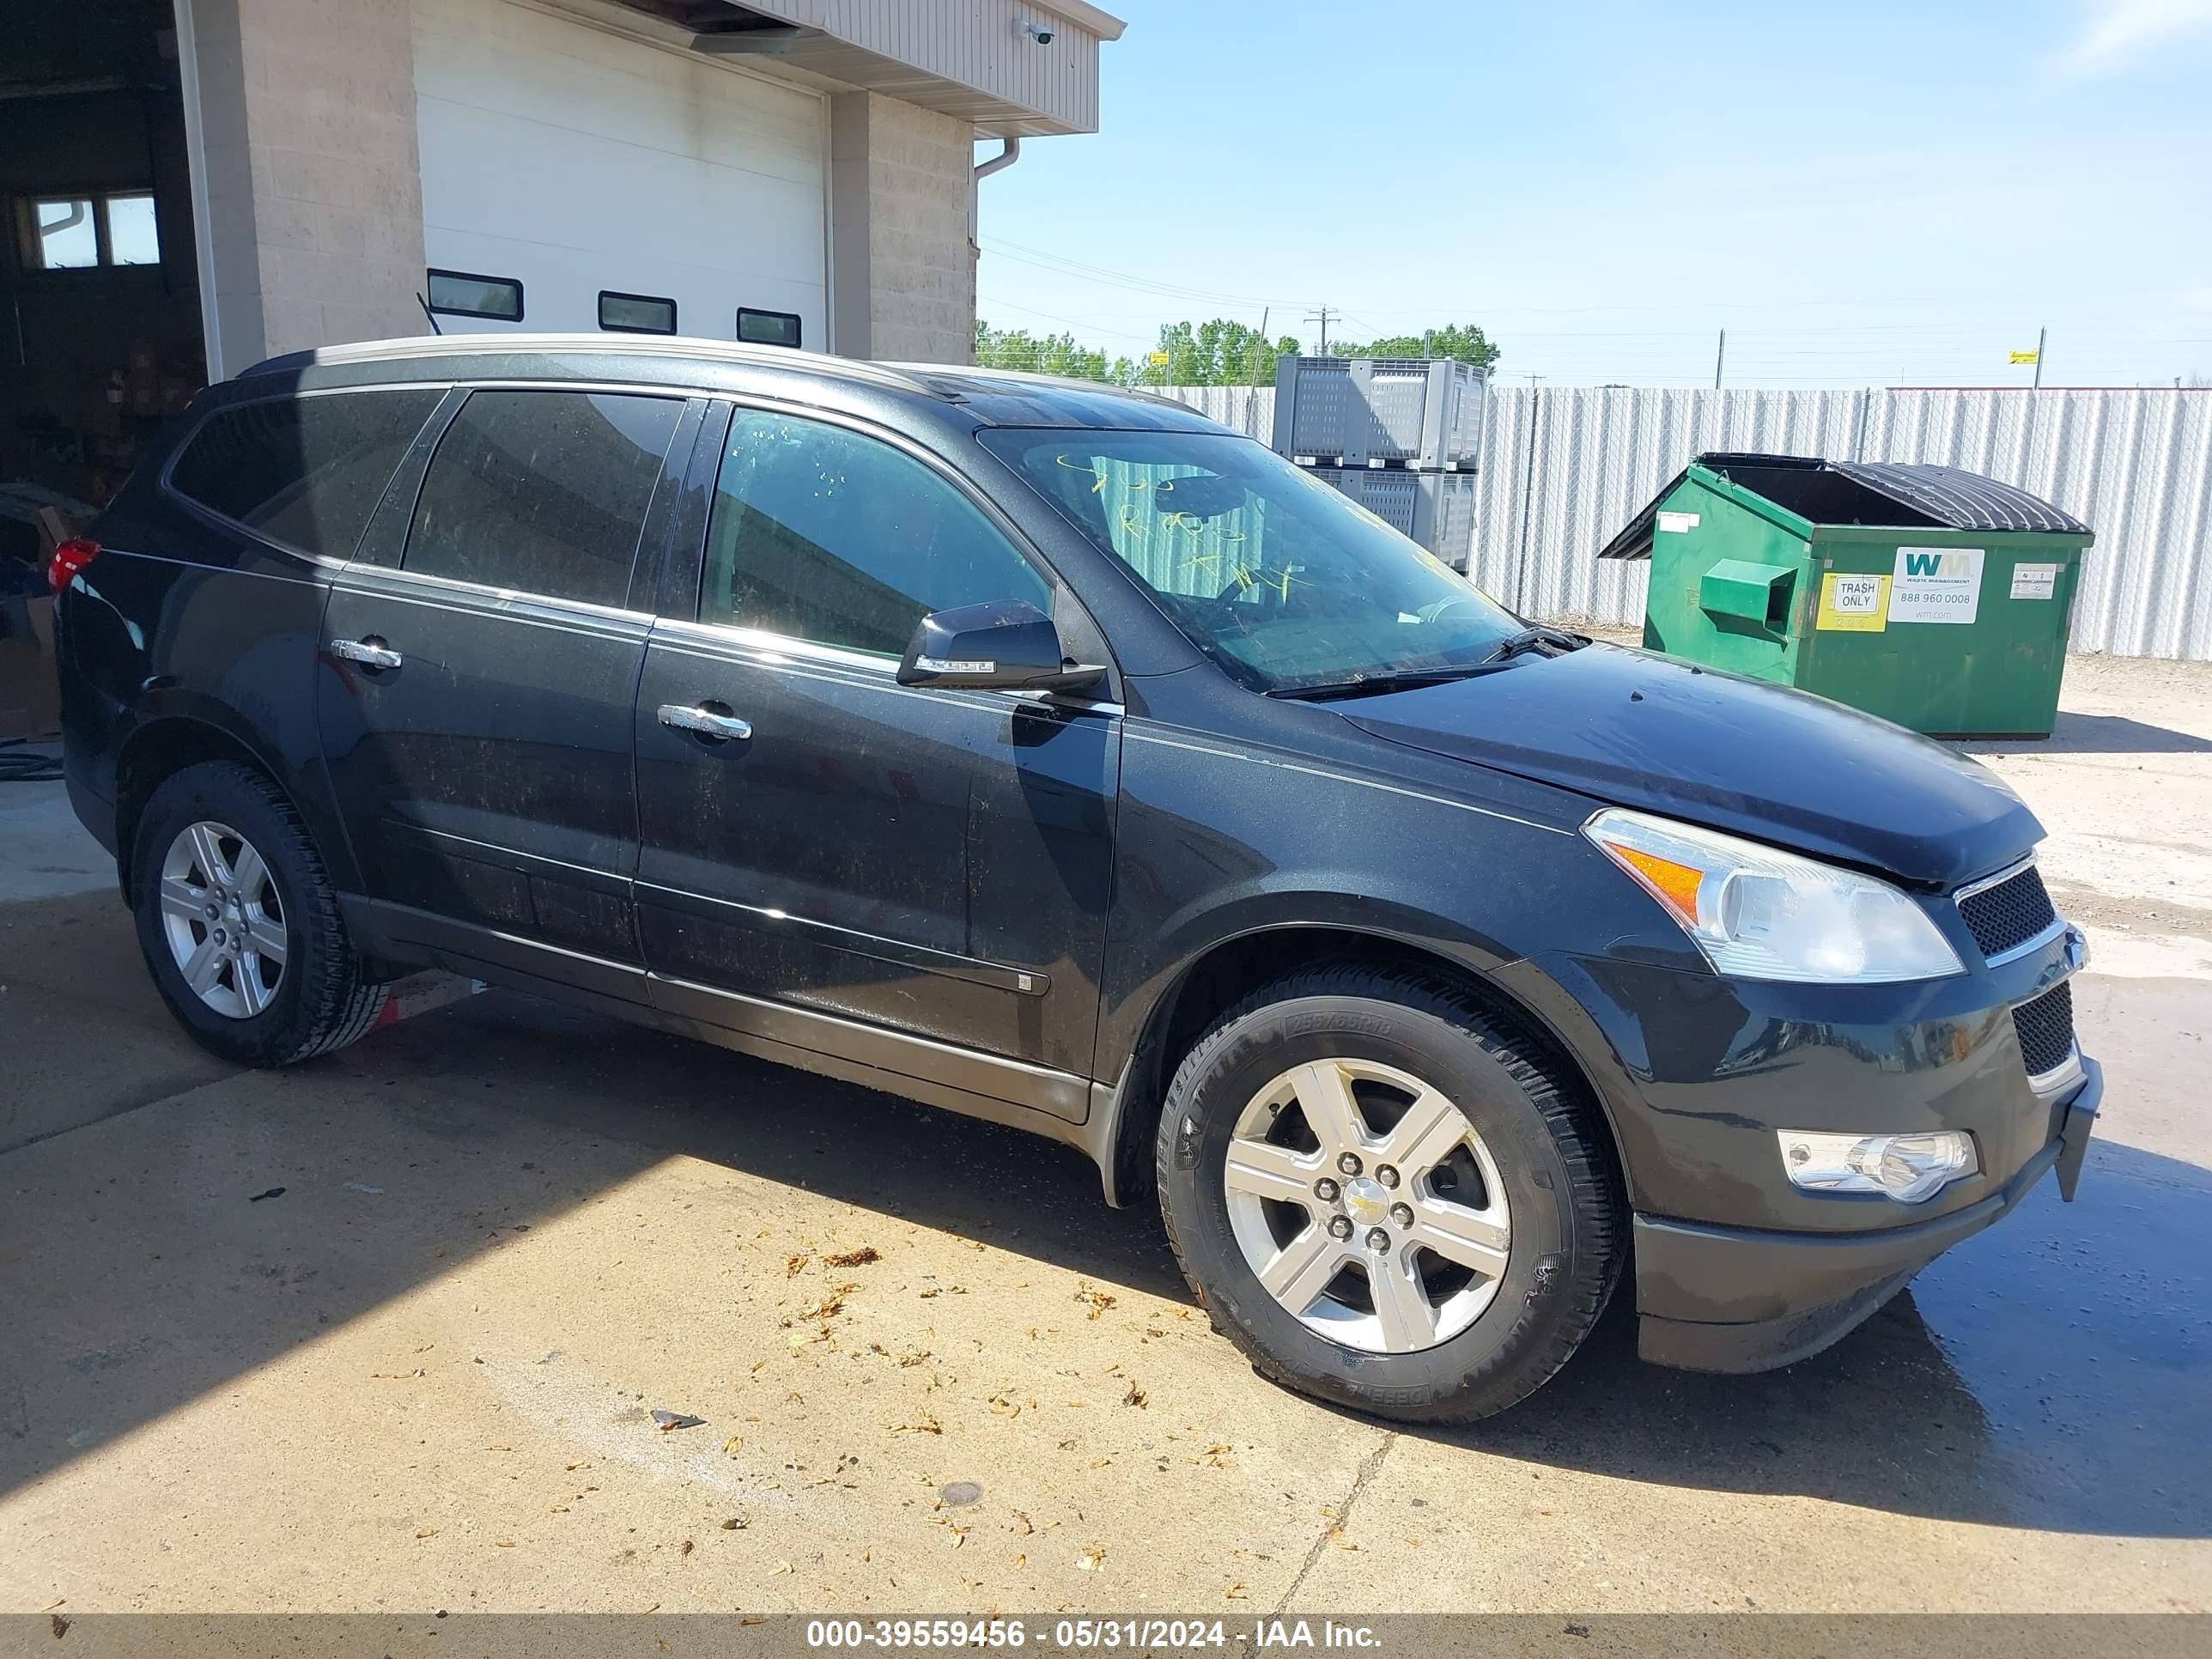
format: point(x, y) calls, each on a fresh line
point(1910, 495)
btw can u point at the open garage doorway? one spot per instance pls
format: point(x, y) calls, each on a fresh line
point(100, 340)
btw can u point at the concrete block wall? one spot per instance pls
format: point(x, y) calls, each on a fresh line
point(314, 193)
point(902, 285)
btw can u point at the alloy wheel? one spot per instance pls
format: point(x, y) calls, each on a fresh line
point(1367, 1205)
point(224, 920)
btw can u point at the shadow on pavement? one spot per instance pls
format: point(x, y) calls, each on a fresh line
point(2052, 1373)
point(2097, 734)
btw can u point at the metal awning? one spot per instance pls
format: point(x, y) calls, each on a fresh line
point(1012, 68)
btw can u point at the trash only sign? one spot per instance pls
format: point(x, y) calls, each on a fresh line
point(1852, 604)
point(1936, 585)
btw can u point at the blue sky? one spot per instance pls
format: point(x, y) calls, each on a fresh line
point(1872, 193)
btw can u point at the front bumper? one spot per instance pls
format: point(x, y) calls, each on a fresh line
point(1717, 1298)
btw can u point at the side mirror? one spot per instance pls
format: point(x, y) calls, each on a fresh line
point(1008, 644)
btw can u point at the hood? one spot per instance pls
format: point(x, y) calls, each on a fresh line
point(1755, 760)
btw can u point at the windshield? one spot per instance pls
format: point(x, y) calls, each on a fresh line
point(1286, 583)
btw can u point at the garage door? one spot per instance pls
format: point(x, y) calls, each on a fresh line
point(578, 163)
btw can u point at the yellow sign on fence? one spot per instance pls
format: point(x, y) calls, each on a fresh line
point(2025, 356)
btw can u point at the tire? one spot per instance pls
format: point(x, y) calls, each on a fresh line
point(310, 995)
point(1537, 1165)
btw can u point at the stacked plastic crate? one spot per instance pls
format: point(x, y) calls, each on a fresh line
point(1400, 435)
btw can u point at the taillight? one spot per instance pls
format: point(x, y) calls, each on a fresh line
point(71, 557)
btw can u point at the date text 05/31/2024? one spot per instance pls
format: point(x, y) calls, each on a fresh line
point(1084, 1634)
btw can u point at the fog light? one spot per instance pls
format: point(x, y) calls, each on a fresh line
point(1908, 1168)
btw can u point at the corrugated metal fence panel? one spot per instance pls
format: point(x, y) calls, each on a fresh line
point(1248, 410)
point(2136, 466)
point(1563, 468)
point(1598, 454)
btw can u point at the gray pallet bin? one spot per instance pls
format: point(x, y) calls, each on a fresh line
point(1417, 411)
point(1436, 509)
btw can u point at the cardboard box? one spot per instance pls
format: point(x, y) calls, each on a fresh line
point(30, 695)
point(54, 529)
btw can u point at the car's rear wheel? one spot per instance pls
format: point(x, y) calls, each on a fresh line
point(239, 922)
point(1388, 1197)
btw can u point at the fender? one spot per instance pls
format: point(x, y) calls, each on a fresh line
point(1166, 960)
point(182, 715)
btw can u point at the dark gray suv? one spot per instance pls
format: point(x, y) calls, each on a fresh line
point(1051, 754)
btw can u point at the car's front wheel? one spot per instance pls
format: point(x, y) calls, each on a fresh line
point(1387, 1197)
point(239, 922)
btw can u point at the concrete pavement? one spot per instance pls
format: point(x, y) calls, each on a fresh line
point(937, 1374)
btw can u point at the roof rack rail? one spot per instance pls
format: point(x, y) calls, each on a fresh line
point(659, 345)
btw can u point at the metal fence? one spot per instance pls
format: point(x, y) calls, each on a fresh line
point(1563, 468)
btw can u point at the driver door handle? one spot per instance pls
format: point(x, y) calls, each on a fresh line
point(371, 651)
point(704, 721)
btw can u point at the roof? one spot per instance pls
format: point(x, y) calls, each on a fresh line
point(1908, 494)
point(1010, 396)
point(1011, 68)
point(1103, 24)
point(992, 397)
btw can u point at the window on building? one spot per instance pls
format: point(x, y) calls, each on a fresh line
point(635, 313)
point(818, 533)
point(83, 233)
point(543, 492)
point(304, 472)
point(767, 327)
point(464, 294)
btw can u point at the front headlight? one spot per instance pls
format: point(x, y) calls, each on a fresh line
point(1757, 913)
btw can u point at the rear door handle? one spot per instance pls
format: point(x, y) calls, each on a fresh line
point(369, 651)
point(705, 721)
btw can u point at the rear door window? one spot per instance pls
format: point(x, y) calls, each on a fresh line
point(543, 492)
point(304, 472)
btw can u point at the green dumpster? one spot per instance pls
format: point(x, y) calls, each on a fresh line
point(1932, 597)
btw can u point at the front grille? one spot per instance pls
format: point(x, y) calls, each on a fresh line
point(2046, 1029)
point(2006, 916)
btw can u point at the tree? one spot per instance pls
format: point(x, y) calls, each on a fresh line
point(1468, 343)
point(1054, 354)
point(1220, 352)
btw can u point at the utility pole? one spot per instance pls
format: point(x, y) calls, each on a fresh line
point(1719, 356)
point(2041, 334)
point(1321, 317)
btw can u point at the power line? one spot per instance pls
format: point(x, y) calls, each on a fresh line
point(1063, 266)
point(1054, 317)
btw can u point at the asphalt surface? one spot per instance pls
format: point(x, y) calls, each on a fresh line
point(937, 1374)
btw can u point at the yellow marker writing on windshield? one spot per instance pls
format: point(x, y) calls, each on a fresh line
point(1098, 475)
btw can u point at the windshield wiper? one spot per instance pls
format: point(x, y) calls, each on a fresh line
point(1368, 685)
point(1536, 636)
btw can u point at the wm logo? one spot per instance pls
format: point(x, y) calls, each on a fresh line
point(1938, 564)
